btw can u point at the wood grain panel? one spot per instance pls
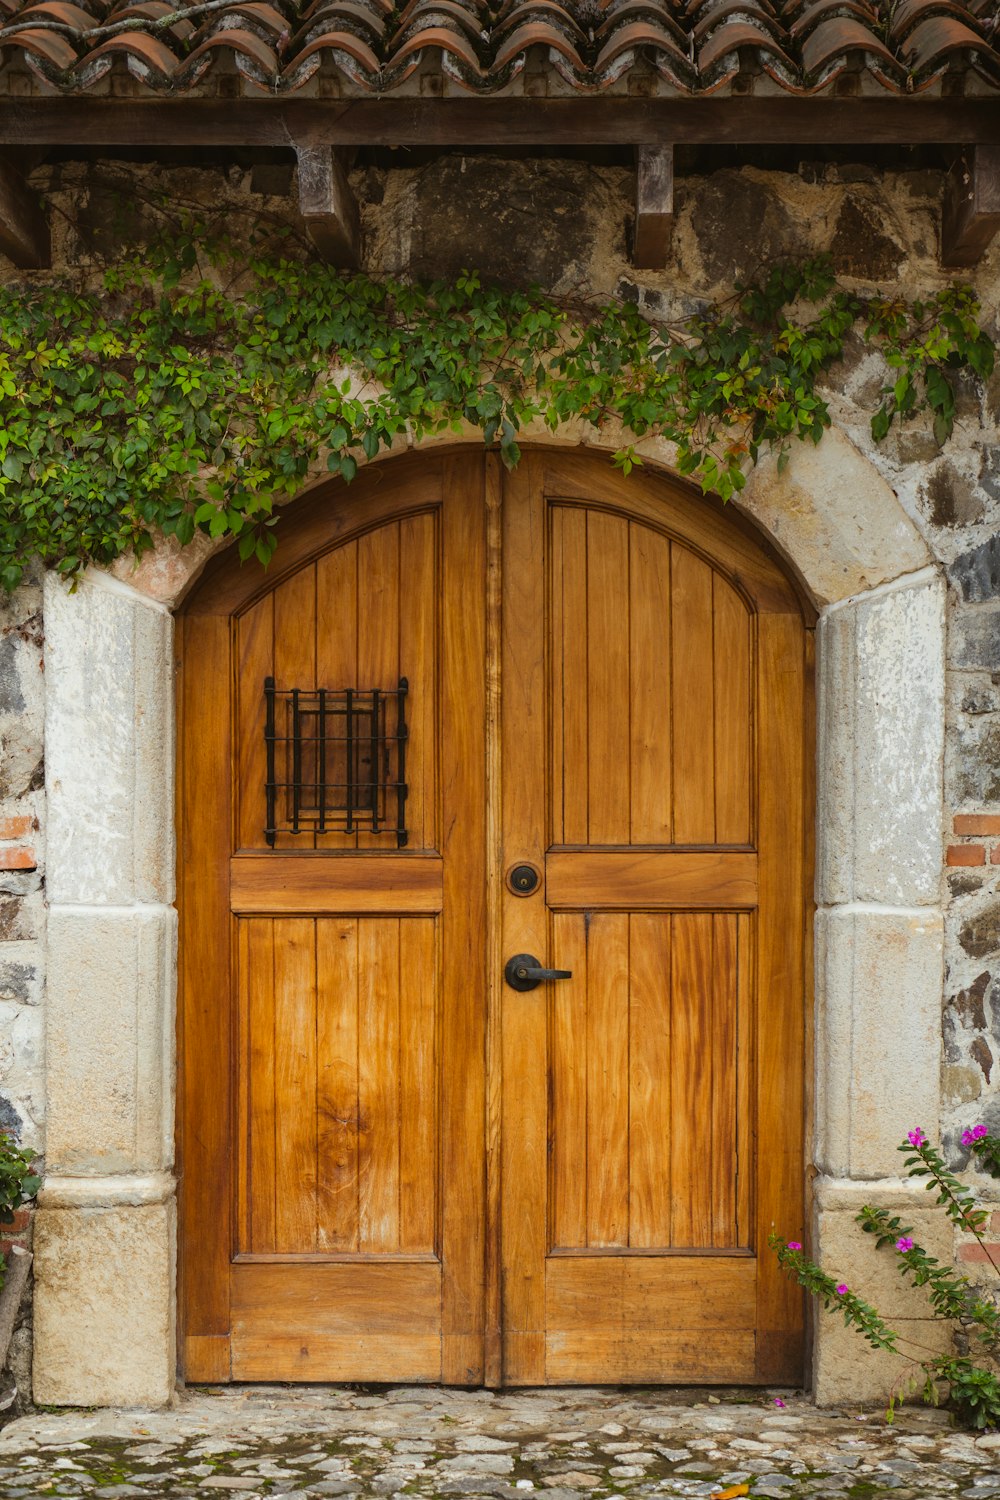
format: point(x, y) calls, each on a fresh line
point(650, 1121)
point(256, 952)
point(733, 721)
point(607, 1078)
point(337, 1043)
point(568, 1118)
point(378, 622)
point(693, 723)
point(294, 667)
point(637, 879)
point(337, 641)
point(724, 1139)
point(418, 605)
point(295, 1084)
point(255, 662)
point(418, 1085)
point(690, 1078)
point(378, 1084)
point(648, 1358)
point(281, 884)
point(607, 683)
point(571, 775)
point(650, 762)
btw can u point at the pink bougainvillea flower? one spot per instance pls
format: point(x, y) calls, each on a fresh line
point(904, 1242)
point(842, 1289)
point(916, 1138)
point(793, 1245)
point(967, 1138)
point(778, 1401)
point(978, 1131)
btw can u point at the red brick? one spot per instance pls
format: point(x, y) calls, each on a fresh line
point(15, 828)
point(17, 859)
point(988, 1254)
point(995, 856)
point(966, 854)
point(980, 823)
point(995, 1221)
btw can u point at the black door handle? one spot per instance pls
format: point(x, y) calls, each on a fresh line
point(524, 972)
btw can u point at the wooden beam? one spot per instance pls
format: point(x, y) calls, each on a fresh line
point(24, 232)
point(328, 205)
point(971, 214)
point(654, 206)
point(84, 121)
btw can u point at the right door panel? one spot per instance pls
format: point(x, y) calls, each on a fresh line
point(654, 692)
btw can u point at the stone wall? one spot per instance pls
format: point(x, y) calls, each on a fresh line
point(565, 224)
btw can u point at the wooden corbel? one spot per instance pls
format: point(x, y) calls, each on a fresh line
point(24, 230)
point(971, 214)
point(654, 206)
point(328, 206)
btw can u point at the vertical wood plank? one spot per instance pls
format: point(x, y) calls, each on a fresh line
point(493, 1295)
point(463, 980)
point(295, 1084)
point(780, 980)
point(608, 678)
point(692, 717)
point(557, 674)
point(255, 661)
point(574, 647)
point(722, 1120)
point(204, 844)
point(746, 1070)
point(418, 597)
point(294, 666)
point(690, 1078)
point(418, 982)
point(337, 643)
point(525, 923)
point(649, 686)
point(257, 953)
point(378, 1083)
point(607, 1079)
point(649, 1080)
point(337, 1083)
point(378, 624)
point(731, 678)
point(568, 1124)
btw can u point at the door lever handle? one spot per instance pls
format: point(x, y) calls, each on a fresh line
point(524, 972)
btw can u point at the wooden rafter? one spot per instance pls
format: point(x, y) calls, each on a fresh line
point(24, 231)
point(654, 206)
point(328, 205)
point(971, 214)
point(509, 122)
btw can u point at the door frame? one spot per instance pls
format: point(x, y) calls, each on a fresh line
point(110, 784)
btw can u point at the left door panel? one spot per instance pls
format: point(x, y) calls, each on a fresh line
point(332, 970)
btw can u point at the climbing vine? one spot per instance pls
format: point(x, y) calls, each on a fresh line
point(203, 381)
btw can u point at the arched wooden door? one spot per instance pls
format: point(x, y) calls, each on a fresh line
point(470, 715)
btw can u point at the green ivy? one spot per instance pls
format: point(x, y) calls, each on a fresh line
point(203, 381)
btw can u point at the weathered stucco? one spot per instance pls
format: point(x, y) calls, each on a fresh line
point(896, 543)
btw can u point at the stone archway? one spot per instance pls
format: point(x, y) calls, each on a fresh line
point(105, 1293)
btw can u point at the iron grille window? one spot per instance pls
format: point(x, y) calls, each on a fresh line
point(336, 760)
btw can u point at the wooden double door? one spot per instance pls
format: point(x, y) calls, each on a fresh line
point(395, 1164)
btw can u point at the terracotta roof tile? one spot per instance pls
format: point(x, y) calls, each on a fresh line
point(691, 46)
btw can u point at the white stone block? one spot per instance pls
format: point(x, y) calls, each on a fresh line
point(834, 517)
point(110, 1044)
point(878, 1036)
point(881, 747)
point(108, 745)
point(104, 1306)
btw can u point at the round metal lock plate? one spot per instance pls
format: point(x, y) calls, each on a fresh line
point(523, 879)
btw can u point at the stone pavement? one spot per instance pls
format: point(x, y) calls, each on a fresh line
point(581, 1444)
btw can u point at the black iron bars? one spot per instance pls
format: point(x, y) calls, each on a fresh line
point(336, 760)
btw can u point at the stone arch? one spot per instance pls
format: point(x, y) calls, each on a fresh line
point(105, 1294)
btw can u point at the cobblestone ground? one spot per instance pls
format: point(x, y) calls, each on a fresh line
point(565, 1445)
